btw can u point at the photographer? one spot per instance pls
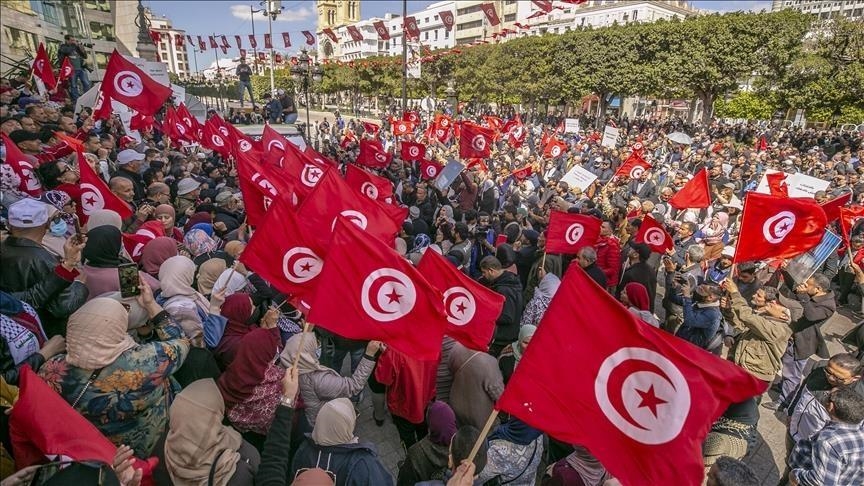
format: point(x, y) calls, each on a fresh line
point(76, 56)
point(689, 272)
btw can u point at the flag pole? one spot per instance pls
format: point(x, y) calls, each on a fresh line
point(306, 328)
point(483, 434)
point(404, 57)
point(543, 261)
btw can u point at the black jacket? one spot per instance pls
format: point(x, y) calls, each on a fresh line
point(644, 274)
point(806, 331)
point(353, 464)
point(507, 325)
point(232, 220)
point(30, 273)
point(596, 274)
point(135, 179)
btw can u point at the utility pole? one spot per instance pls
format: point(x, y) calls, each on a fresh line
point(252, 13)
point(404, 57)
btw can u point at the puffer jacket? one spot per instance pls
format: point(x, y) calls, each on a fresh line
point(319, 387)
point(609, 258)
point(32, 274)
point(763, 340)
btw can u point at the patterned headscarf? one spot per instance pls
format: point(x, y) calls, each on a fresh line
point(199, 242)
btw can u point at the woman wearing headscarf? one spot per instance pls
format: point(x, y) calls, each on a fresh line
point(635, 297)
point(22, 339)
point(714, 235)
point(62, 221)
point(166, 215)
point(241, 315)
point(429, 459)
point(512, 354)
point(188, 307)
point(155, 252)
point(515, 450)
point(421, 242)
point(536, 308)
point(233, 280)
point(251, 385)
point(334, 447)
point(208, 272)
point(124, 388)
point(319, 383)
point(103, 217)
point(580, 468)
point(198, 446)
point(200, 245)
point(102, 258)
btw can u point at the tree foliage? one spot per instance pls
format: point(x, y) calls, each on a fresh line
point(704, 58)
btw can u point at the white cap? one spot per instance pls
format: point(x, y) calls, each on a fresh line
point(28, 213)
point(127, 156)
point(728, 251)
point(187, 185)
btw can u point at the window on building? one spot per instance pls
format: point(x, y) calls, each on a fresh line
point(426, 35)
point(510, 17)
point(50, 12)
point(102, 59)
point(446, 34)
point(635, 15)
point(436, 34)
point(102, 31)
point(19, 40)
point(470, 25)
point(467, 10)
point(435, 17)
point(99, 5)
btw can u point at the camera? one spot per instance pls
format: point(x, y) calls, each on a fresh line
point(88, 45)
point(480, 232)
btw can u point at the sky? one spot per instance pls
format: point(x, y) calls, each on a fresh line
point(230, 18)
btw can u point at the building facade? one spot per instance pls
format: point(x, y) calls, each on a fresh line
point(334, 14)
point(597, 13)
point(433, 34)
point(171, 52)
point(27, 23)
point(824, 9)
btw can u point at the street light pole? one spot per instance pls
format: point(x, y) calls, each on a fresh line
point(301, 73)
point(272, 8)
point(252, 13)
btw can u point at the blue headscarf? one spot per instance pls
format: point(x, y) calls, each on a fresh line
point(515, 431)
point(205, 227)
point(421, 241)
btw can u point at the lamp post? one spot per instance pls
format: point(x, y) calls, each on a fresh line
point(252, 13)
point(271, 8)
point(450, 93)
point(302, 72)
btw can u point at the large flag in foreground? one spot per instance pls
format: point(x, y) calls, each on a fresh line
point(778, 227)
point(380, 295)
point(640, 399)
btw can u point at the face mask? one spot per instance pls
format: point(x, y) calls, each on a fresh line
point(58, 228)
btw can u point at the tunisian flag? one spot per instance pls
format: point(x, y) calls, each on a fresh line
point(654, 235)
point(283, 253)
point(42, 425)
point(832, 207)
point(474, 141)
point(641, 400)
point(332, 197)
point(429, 169)
point(66, 71)
point(260, 184)
point(23, 166)
point(402, 127)
point(554, 148)
point(96, 195)
point(372, 154)
point(370, 185)
point(567, 233)
point(471, 309)
point(125, 83)
point(42, 68)
point(386, 298)
point(633, 167)
point(849, 217)
point(778, 227)
point(491, 14)
point(412, 150)
point(777, 184)
point(695, 194)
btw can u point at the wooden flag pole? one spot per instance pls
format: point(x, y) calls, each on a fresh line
point(306, 329)
point(543, 261)
point(483, 434)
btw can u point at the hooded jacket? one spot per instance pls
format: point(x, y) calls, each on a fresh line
point(353, 464)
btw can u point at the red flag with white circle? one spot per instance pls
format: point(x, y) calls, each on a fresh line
point(654, 235)
point(567, 233)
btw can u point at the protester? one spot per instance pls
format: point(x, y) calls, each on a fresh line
point(514, 454)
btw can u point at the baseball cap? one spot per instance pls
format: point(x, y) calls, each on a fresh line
point(187, 185)
point(18, 136)
point(728, 251)
point(414, 211)
point(28, 213)
point(127, 156)
point(223, 197)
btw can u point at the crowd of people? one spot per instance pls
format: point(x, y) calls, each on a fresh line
point(208, 367)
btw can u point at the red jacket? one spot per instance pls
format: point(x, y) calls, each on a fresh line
point(609, 258)
point(410, 384)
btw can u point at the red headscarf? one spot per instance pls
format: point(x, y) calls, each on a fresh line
point(156, 252)
point(237, 309)
point(255, 352)
point(638, 296)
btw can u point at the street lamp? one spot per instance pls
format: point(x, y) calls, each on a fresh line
point(271, 9)
point(302, 72)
